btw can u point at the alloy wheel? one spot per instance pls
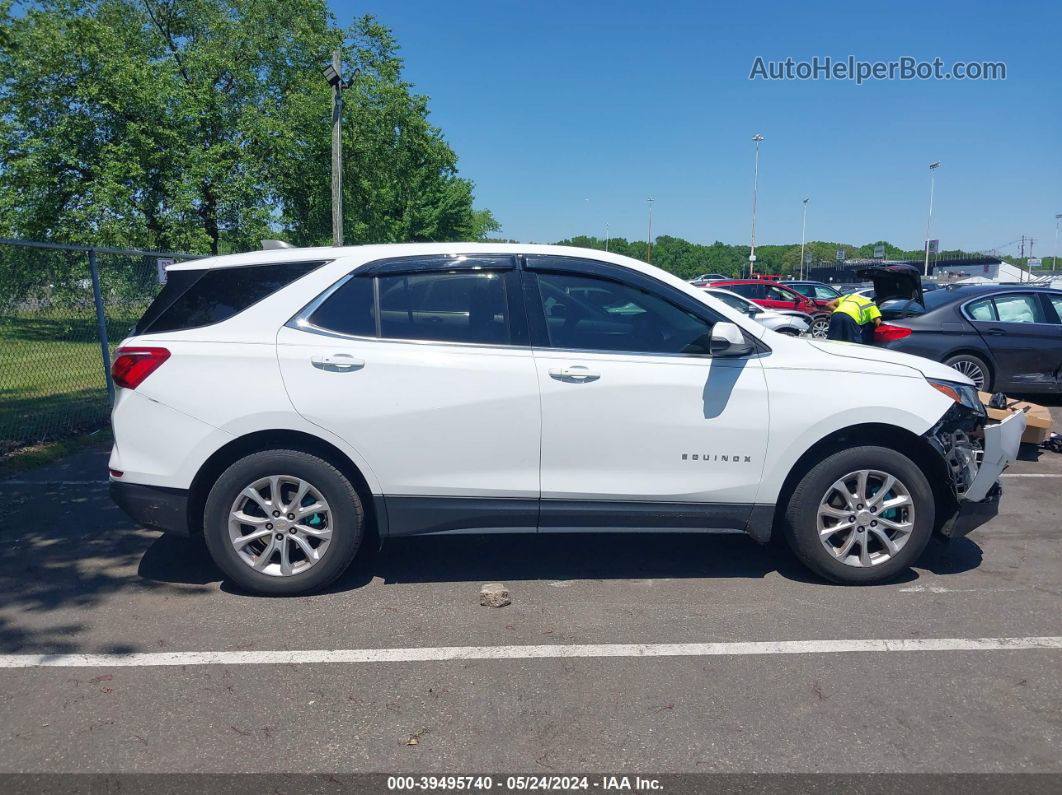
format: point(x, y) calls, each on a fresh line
point(820, 327)
point(971, 370)
point(865, 518)
point(280, 525)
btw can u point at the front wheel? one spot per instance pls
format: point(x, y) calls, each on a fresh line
point(283, 522)
point(820, 327)
point(861, 516)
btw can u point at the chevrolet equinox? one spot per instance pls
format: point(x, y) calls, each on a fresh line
point(287, 406)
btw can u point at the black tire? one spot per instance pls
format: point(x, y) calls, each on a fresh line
point(347, 521)
point(965, 362)
point(801, 515)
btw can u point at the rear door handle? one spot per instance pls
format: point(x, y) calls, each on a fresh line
point(337, 362)
point(996, 332)
point(576, 373)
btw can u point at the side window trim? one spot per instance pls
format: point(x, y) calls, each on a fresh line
point(514, 305)
point(993, 297)
point(614, 273)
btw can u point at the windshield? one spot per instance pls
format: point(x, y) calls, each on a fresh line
point(819, 291)
point(735, 302)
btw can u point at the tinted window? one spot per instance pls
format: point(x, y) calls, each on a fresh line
point(982, 310)
point(734, 302)
point(349, 310)
point(1056, 302)
point(445, 306)
point(1019, 309)
point(748, 290)
point(196, 298)
point(778, 294)
point(590, 313)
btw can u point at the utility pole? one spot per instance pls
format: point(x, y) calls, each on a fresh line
point(1022, 249)
point(1054, 259)
point(606, 238)
point(649, 235)
point(755, 184)
point(929, 223)
point(334, 75)
point(337, 151)
point(803, 229)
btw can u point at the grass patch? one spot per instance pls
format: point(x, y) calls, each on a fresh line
point(32, 456)
point(52, 383)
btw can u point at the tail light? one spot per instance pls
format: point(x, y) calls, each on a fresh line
point(132, 365)
point(888, 333)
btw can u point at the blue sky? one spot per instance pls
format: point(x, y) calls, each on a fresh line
point(551, 104)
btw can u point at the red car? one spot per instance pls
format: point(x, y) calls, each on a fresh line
point(771, 295)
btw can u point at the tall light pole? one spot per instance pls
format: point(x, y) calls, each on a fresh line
point(649, 234)
point(1054, 258)
point(755, 185)
point(606, 238)
point(803, 228)
point(334, 75)
point(929, 223)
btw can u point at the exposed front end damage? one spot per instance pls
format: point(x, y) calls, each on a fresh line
point(975, 453)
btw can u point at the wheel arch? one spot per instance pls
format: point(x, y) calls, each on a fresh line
point(279, 439)
point(893, 437)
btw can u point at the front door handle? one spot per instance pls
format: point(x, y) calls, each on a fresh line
point(337, 362)
point(996, 332)
point(576, 373)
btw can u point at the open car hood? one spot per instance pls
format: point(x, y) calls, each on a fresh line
point(894, 281)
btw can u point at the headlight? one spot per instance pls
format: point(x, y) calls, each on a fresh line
point(963, 394)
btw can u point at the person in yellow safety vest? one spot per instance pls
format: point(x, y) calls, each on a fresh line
point(854, 319)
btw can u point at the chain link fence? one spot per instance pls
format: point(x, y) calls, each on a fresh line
point(63, 310)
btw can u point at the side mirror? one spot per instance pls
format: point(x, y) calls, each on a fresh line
point(728, 341)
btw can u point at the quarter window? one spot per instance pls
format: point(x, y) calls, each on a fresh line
point(595, 314)
point(202, 297)
point(982, 310)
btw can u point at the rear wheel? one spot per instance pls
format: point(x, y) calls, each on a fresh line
point(861, 516)
point(820, 326)
point(283, 522)
point(974, 368)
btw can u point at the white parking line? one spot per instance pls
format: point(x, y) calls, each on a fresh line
point(1030, 475)
point(446, 653)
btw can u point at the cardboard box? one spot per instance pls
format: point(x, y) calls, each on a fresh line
point(1037, 417)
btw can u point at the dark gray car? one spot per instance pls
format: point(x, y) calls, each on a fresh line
point(1004, 337)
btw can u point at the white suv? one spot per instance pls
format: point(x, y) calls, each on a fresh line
point(288, 405)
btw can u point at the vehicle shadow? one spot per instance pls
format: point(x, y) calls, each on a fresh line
point(608, 556)
point(591, 556)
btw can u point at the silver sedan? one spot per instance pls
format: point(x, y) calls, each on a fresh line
point(784, 322)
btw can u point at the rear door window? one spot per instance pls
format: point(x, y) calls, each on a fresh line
point(1019, 308)
point(445, 307)
point(203, 297)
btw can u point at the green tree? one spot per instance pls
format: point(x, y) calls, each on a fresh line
point(205, 125)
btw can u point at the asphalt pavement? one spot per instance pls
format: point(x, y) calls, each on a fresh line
point(78, 577)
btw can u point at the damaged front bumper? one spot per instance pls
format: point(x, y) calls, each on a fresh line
point(975, 454)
